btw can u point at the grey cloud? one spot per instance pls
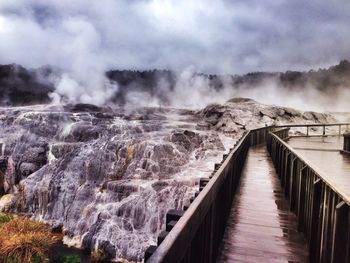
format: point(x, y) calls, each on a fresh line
point(219, 37)
point(85, 38)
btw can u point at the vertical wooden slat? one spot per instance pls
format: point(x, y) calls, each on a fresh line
point(301, 199)
point(283, 165)
point(340, 233)
point(309, 198)
point(324, 225)
point(330, 229)
point(212, 226)
point(285, 173)
point(315, 219)
point(347, 256)
point(293, 183)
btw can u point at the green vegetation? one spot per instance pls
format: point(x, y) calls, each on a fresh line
point(4, 218)
point(69, 259)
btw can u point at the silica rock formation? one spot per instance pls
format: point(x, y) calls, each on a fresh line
point(240, 114)
point(106, 177)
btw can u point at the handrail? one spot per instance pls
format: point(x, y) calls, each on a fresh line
point(259, 135)
point(282, 133)
point(323, 211)
point(320, 173)
point(312, 125)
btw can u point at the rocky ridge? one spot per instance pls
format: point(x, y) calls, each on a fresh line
point(240, 114)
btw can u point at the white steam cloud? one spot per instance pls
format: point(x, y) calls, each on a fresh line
point(194, 91)
point(86, 38)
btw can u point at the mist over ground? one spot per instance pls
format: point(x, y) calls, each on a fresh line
point(320, 90)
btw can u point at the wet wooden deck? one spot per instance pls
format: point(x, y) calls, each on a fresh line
point(260, 227)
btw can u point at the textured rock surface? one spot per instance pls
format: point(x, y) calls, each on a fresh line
point(240, 114)
point(108, 176)
point(105, 176)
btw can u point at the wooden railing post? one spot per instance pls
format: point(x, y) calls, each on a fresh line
point(346, 145)
point(340, 233)
point(286, 173)
point(293, 187)
point(301, 198)
point(315, 235)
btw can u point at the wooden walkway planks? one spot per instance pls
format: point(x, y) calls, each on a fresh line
point(260, 227)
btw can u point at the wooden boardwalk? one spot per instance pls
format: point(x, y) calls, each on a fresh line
point(260, 227)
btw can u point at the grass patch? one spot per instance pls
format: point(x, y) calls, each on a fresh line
point(69, 259)
point(4, 218)
point(23, 241)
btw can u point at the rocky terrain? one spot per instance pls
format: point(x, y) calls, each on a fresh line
point(240, 114)
point(107, 176)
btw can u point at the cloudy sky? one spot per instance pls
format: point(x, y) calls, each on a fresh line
point(233, 36)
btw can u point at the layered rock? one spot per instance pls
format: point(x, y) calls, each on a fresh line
point(240, 114)
point(106, 177)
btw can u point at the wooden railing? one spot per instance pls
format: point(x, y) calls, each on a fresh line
point(259, 136)
point(317, 125)
point(321, 209)
point(282, 133)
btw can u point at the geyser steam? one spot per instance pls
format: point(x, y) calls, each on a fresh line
point(226, 37)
